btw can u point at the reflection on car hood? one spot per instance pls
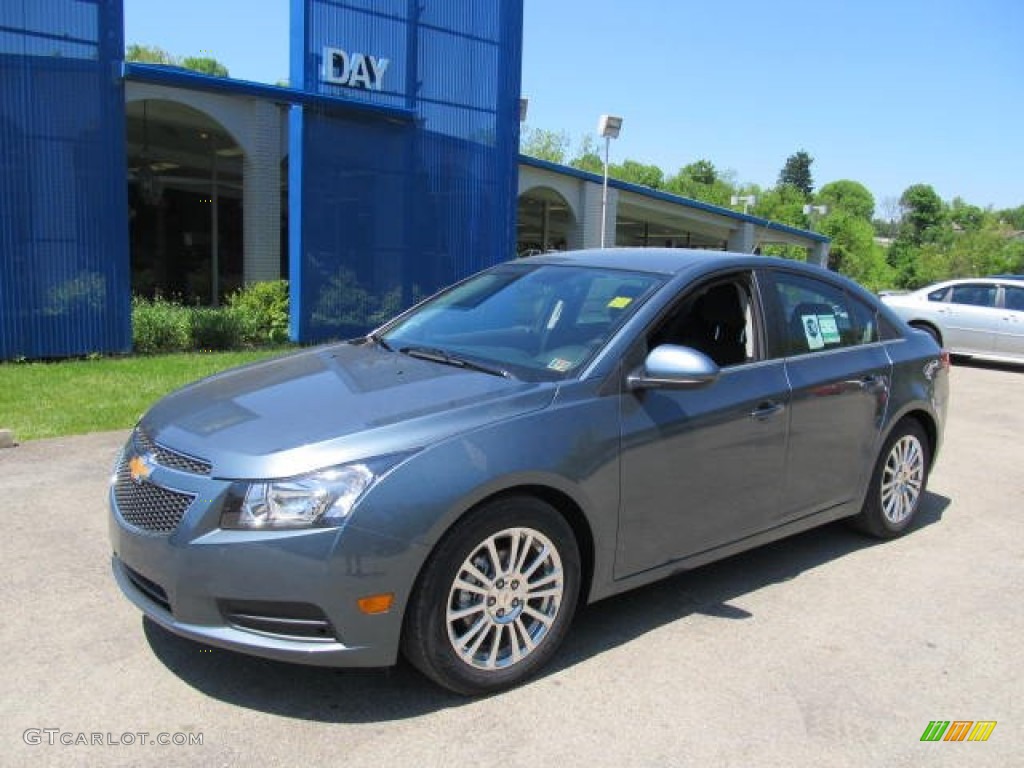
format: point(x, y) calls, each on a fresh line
point(330, 405)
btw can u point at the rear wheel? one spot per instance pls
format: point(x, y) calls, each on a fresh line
point(931, 330)
point(897, 483)
point(496, 597)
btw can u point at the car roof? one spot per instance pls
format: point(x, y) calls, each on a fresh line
point(968, 280)
point(666, 261)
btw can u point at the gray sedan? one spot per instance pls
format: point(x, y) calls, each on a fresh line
point(551, 431)
point(981, 317)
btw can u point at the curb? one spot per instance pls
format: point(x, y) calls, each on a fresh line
point(6, 439)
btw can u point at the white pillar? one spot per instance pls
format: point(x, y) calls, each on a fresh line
point(261, 189)
point(591, 209)
point(741, 239)
point(818, 254)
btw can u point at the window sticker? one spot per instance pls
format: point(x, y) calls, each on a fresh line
point(812, 331)
point(560, 364)
point(620, 302)
point(829, 329)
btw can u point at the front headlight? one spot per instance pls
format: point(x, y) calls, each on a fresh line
point(324, 498)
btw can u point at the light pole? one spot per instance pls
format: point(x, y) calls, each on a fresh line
point(608, 126)
point(814, 211)
point(747, 201)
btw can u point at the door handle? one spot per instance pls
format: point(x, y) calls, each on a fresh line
point(872, 383)
point(766, 410)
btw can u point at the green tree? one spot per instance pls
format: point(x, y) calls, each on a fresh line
point(784, 203)
point(797, 172)
point(544, 145)
point(966, 217)
point(853, 250)
point(848, 196)
point(638, 173)
point(206, 65)
point(701, 180)
point(152, 54)
point(1013, 218)
point(924, 215)
point(588, 157)
point(148, 54)
point(701, 171)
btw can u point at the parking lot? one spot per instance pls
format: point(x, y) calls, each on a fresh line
point(824, 649)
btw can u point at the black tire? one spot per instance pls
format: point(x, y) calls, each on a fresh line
point(519, 602)
point(898, 482)
point(931, 330)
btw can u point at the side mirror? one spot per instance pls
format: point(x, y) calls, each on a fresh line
point(672, 367)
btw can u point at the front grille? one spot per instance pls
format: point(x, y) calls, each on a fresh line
point(168, 458)
point(146, 506)
point(295, 621)
point(150, 589)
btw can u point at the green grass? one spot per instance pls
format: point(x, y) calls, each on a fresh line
point(78, 396)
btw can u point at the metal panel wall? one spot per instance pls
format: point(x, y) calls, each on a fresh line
point(64, 281)
point(384, 212)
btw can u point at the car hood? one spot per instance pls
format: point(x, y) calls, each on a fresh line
point(331, 405)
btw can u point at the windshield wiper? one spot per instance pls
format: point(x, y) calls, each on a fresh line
point(379, 341)
point(447, 358)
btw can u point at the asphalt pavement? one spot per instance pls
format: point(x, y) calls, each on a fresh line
point(824, 649)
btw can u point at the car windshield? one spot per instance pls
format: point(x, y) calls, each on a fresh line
point(534, 322)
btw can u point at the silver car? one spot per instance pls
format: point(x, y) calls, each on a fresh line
point(982, 317)
point(548, 432)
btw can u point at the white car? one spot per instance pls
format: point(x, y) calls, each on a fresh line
point(978, 317)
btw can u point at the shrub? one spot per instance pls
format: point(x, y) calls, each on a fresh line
point(262, 309)
point(160, 326)
point(216, 329)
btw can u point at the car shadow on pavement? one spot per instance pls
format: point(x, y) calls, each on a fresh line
point(989, 365)
point(375, 695)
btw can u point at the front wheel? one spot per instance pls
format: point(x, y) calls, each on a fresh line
point(897, 483)
point(496, 597)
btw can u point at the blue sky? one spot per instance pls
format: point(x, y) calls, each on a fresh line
point(889, 93)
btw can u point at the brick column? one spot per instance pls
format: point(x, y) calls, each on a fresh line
point(741, 239)
point(592, 216)
point(261, 189)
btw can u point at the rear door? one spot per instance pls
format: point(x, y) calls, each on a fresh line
point(840, 377)
point(971, 318)
point(1010, 342)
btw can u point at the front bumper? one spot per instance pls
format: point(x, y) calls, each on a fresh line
point(289, 595)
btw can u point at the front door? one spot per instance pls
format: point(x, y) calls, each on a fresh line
point(703, 467)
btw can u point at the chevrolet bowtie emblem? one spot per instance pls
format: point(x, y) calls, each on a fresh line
point(140, 468)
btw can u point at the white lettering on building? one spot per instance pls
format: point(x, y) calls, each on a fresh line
point(356, 70)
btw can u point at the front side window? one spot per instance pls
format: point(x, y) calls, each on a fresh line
point(716, 319)
point(535, 321)
point(819, 316)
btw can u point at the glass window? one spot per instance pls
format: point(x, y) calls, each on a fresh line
point(716, 319)
point(942, 294)
point(975, 294)
point(1014, 298)
point(535, 321)
point(819, 316)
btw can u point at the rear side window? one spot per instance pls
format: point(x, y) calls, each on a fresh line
point(819, 316)
point(975, 294)
point(1014, 298)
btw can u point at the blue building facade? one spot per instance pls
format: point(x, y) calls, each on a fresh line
point(64, 278)
point(391, 204)
point(402, 164)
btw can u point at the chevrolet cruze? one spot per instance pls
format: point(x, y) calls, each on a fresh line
point(548, 432)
